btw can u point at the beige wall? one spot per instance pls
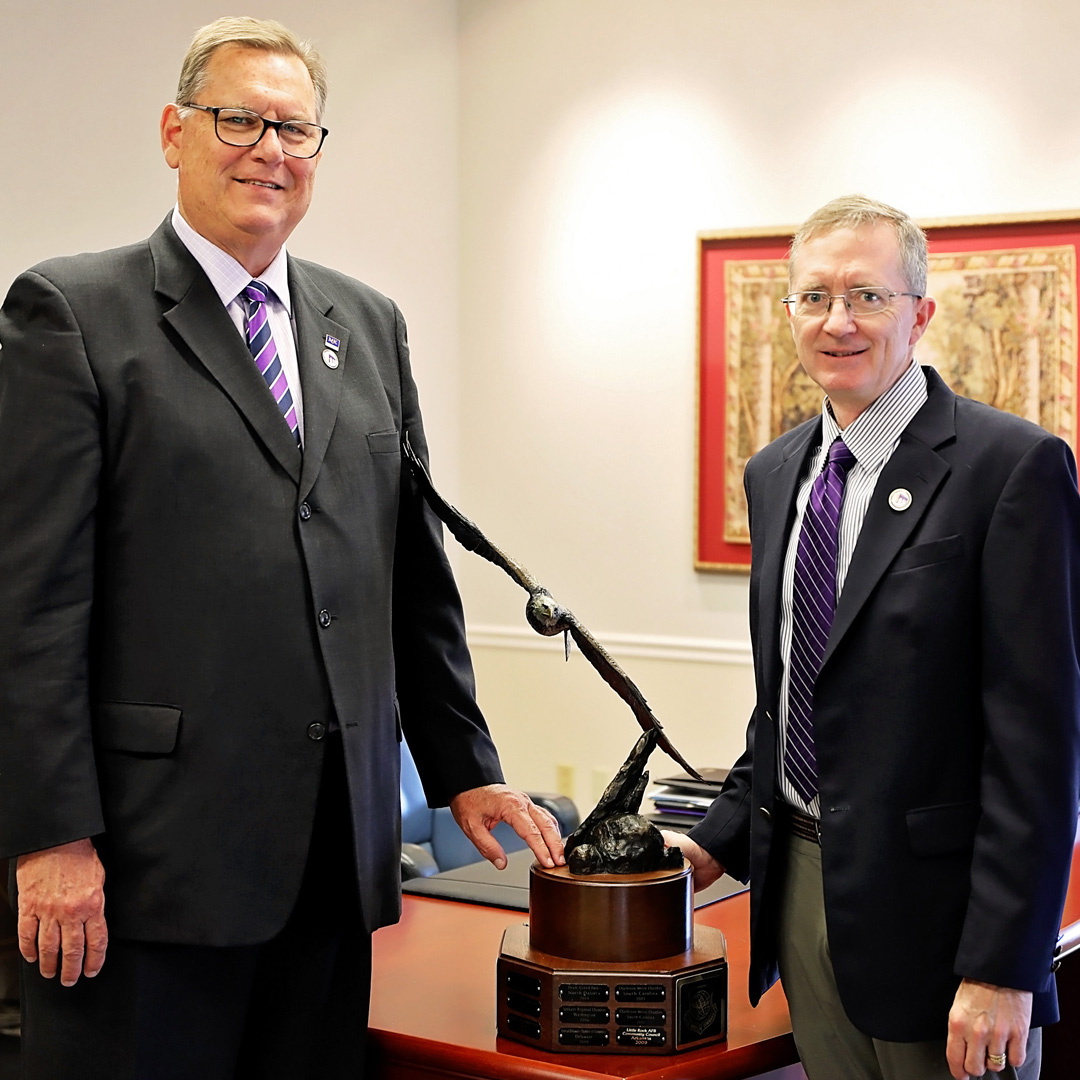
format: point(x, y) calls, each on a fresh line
point(597, 138)
point(526, 178)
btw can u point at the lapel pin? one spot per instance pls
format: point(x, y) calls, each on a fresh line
point(333, 342)
point(330, 358)
point(900, 499)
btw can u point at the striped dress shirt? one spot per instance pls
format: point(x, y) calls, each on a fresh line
point(230, 279)
point(872, 437)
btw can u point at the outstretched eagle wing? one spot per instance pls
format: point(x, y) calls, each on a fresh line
point(463, 530)
point(544, 615)
point(625, 687)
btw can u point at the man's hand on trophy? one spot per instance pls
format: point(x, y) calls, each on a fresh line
point(706, 868)
point(480, 809)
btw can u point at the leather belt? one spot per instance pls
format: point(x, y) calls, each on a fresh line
point(803, 826)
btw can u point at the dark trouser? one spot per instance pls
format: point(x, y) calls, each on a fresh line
point(295, 1007)
point(9, 943)
point(830, 1046)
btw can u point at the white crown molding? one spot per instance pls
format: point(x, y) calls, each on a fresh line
point(649, 647)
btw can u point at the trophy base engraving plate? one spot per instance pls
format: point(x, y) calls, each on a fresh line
point(659, 1006)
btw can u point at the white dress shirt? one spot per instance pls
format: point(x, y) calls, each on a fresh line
point(230, 279)
point(872, 437)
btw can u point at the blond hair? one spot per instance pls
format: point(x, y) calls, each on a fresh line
point(851, 211)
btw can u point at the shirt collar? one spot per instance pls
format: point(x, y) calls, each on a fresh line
point(875, 430)
point(227, 276)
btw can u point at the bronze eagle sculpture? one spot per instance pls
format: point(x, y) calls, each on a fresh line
point(545, 615)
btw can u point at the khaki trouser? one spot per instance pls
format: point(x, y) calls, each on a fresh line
point(830, 1046)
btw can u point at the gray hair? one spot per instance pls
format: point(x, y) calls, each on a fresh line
point(249, 34)
point(851, 211)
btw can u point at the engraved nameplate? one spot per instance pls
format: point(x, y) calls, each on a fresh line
point(640, 1036)
point(576, 1036)
point(650, 1017)
point(584, 1014)
point(584, 992)
point(640, 992)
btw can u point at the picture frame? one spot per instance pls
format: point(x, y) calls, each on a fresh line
point(1005, 332)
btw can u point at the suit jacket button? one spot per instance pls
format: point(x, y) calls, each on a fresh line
point(763, 811)
point(316, 732)
point(304, 511)
point(324, 618)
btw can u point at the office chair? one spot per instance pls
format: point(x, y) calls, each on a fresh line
point(432, 841)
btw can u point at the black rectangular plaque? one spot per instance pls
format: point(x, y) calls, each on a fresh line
point(636, 1017)
point(523, 984)
point(579, 1036)
point(522, 1025)
point(641, 1036)
point(700, 1007)
point(584, 1014)
point(530, 1006)
point(642, 991)
point(584, 992)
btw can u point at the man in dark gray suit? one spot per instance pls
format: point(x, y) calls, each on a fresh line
point(906, 806)
point(223, 600)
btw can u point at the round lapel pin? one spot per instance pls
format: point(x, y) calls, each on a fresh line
point(900, 499)
point(330, 358)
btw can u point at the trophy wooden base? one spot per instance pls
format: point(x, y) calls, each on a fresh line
point(612, 964)
point(612, 917)
point(651, 1007)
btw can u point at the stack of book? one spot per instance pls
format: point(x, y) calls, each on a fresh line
point(680, 801)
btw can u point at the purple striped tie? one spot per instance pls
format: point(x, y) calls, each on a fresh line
point(813, 604)
point(264, 351)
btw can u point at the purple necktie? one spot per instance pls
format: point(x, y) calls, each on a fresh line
point(813, 604)
point(264, 351)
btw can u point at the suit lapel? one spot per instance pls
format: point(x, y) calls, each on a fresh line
point(319, 382)
point(779, 492)
point(202, 322)
point(915, 466)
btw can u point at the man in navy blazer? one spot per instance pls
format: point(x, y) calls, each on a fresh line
point(223, 601)
point(911, 905)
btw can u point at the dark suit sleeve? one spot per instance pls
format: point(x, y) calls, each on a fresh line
point(1030, 630)
point(445, 729)
point(725, 830)
point(50, 461)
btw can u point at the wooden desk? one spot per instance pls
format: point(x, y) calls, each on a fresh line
point(433, 1006)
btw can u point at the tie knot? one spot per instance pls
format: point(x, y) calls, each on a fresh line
point(257, 292)
point(840, 455)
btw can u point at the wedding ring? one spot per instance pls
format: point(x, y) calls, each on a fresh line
point(995, 1059)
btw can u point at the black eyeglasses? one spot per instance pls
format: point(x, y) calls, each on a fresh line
point(240, 127)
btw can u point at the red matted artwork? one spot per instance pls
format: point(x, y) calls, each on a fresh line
point(1005, 332)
